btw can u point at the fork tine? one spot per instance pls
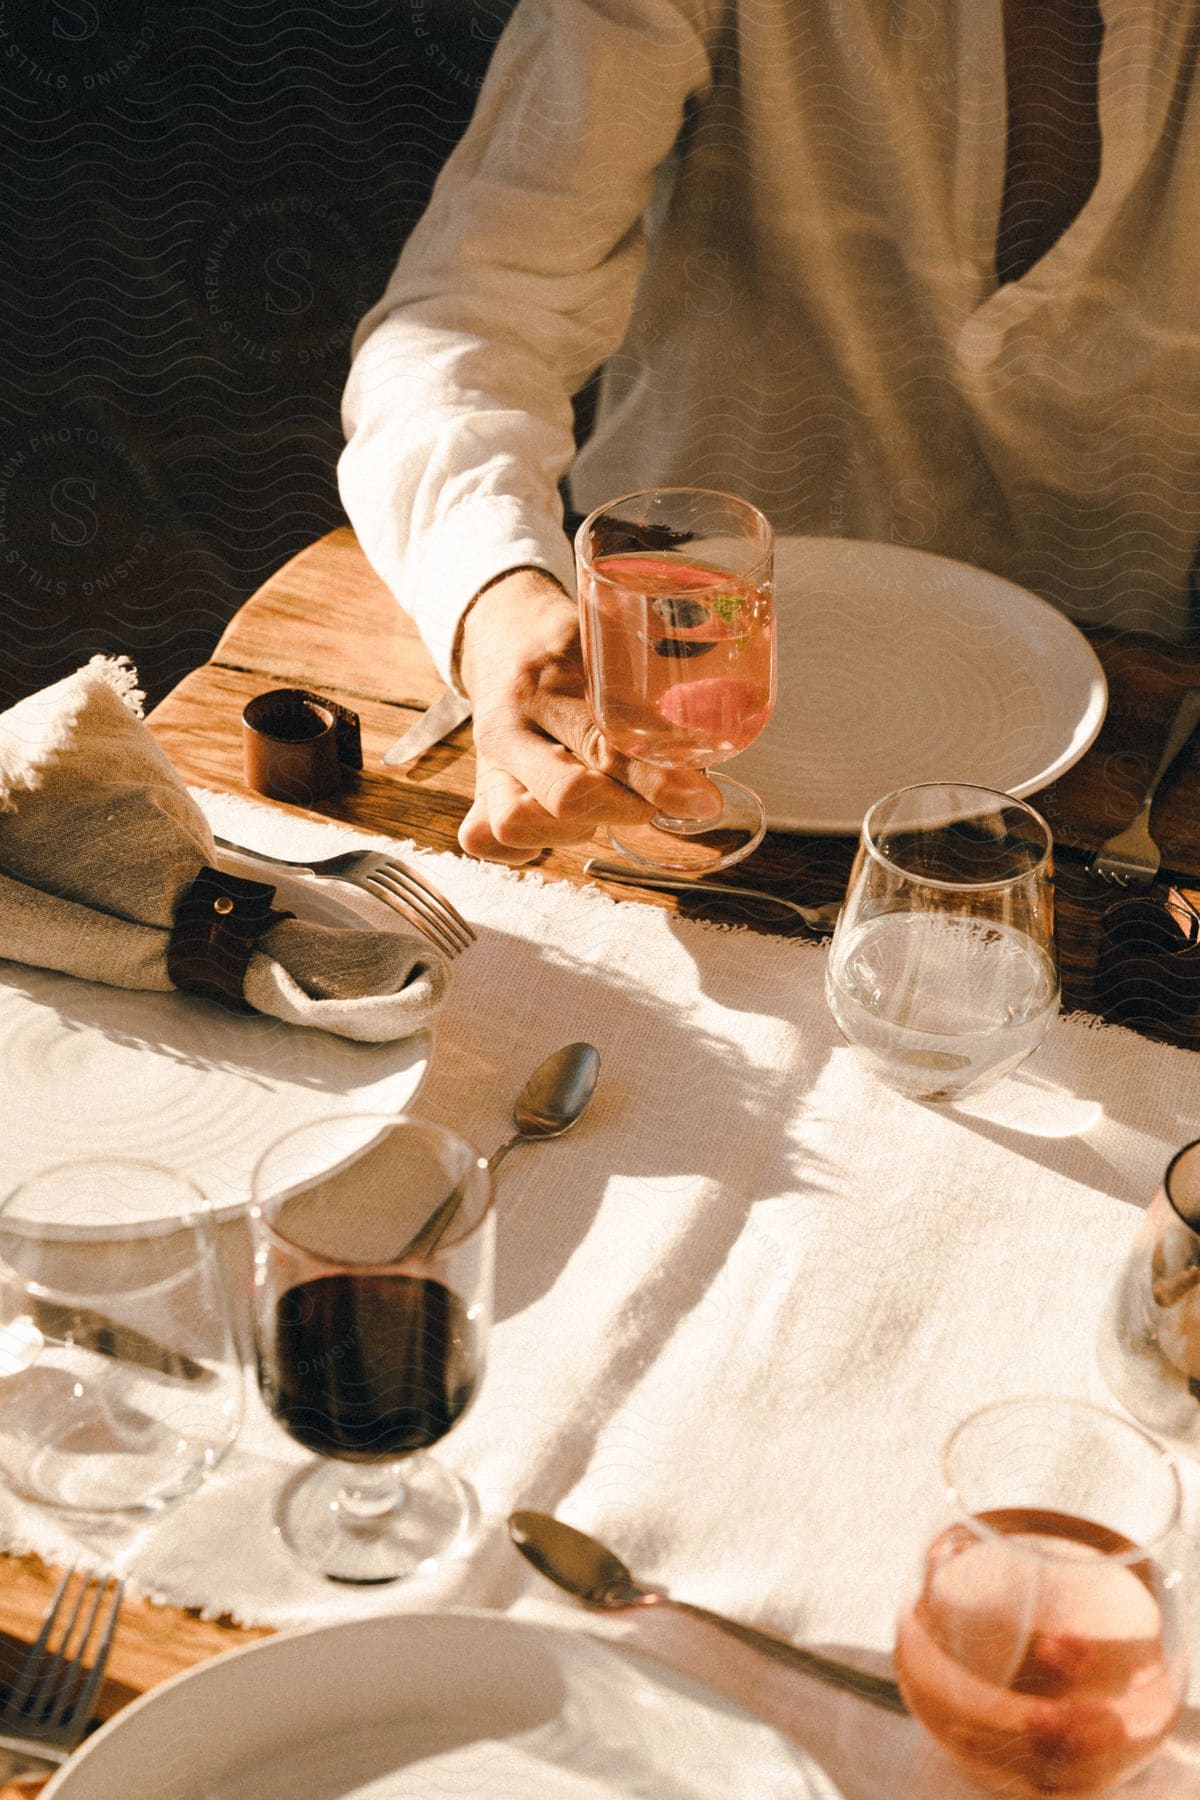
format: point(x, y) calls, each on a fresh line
point(435, 916)
point(458, 927)
point(390, 897)
point(402, 870)
point(52, 1673)
point(60, 1702)
point(430, 903)
point(20, 1691)
point(81, 1706)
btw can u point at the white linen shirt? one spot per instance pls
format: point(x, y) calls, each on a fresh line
point(775, 224)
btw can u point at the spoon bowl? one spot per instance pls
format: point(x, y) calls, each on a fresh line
point(553, 1097)
point(549, 1104)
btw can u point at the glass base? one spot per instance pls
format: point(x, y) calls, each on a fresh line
point(696, 846)
point(366, 1524)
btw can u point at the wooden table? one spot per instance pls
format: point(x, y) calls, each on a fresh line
point(326, 622)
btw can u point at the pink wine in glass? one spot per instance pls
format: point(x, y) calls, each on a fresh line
point(680, 658)
point(677, 615)
point(1037, 1653)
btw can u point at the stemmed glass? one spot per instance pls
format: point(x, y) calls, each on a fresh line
point(1043, 1648)
point(942, 973)
point(677, 611)
point(367, 1355)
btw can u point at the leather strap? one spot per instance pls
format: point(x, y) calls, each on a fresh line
point(218, 921)
point(346, 725)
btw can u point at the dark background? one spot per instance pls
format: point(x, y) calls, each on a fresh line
point(199, 202)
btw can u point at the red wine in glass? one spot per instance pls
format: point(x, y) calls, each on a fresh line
point(370, 1366)
point(367, 1356)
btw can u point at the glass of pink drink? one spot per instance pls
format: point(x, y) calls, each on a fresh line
point(1043, 1650)
point(677, 609)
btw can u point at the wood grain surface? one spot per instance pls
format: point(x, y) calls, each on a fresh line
point(151, 1643)
point(326, 622)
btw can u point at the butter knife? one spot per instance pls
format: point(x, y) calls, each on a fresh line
point(109, 1337)
point(437, 722)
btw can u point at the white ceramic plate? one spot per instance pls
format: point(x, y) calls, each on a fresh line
point(896, 666)
point(413, 1706)
point(94, 1070)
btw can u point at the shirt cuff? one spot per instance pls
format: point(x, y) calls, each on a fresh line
point(471, 547)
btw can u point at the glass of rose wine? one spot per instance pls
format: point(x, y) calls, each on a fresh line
point(367, 1353)
point(1043, 1649)
point(677, 612)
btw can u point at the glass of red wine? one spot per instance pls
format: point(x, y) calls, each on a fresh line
point(367, 1354)
point(677, 615)
point(1042, 1647)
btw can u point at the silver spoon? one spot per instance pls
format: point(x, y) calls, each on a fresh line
point(593, 1574)
point(549, 1104)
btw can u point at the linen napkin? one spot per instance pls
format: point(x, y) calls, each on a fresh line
point(100, 840)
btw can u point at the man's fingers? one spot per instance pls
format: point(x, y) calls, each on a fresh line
point(686, 792)
point(569, 794)
point(477, 838)
point(509, 822)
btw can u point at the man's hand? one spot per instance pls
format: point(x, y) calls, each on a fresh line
point(544, 773)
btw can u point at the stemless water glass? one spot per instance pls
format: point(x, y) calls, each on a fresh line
point(942, 973)
point(120, 1382)
point(366, 1355)
point(1149, 1348)
point(1043, 1648)
point(677, 611)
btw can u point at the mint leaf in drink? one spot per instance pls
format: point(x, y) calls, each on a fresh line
point(725, 606)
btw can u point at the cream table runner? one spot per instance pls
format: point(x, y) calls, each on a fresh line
point(738, 1308)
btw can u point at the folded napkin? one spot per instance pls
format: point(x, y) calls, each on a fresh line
point(99, 841)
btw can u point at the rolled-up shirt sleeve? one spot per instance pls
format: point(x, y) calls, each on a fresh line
point(515, 286)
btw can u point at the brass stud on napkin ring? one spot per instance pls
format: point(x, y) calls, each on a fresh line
point(218, 921)
point(295, 744)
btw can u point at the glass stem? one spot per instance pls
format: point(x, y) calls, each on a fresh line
point(663, 821)
point(364, 1498)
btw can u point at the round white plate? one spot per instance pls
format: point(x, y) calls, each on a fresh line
point(412, 1706)
point(91, 1070)
point(896, 666)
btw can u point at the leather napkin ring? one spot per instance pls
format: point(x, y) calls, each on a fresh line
point(296, 744)
point(217, 924)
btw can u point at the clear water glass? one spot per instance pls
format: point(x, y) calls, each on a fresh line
point(677, 616)
point(120, 1380)
point(942, 974)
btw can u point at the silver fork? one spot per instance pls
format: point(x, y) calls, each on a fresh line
point(821, 919)
point(49, 1706)
point(1131, 857)
point(388, 880)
